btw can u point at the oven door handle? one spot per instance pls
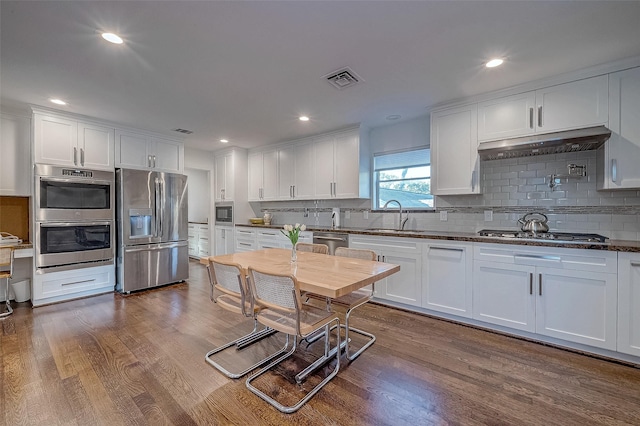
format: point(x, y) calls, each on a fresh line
point(81, 180)
point(59, 224)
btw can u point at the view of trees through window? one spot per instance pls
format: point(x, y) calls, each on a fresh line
point(405, 177)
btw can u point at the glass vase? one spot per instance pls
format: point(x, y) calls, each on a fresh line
point(294, 254)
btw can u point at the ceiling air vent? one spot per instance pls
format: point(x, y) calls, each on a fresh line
point(186, 132)
point(343, 78)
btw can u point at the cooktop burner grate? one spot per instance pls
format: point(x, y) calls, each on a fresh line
point(552, 236)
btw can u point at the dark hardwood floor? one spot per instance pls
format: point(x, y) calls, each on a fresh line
point(139, 359)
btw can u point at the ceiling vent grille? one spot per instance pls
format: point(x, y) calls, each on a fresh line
point(343, 78)
point(186, 132)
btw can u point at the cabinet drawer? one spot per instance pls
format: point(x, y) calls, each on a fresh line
point(69, 282)
point(245, 233)
point(551, 257)
point(405, 245)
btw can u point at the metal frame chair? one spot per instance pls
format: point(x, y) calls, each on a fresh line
point(278, 296)
point(6, 259)
point(229, 280)
point(313, 248)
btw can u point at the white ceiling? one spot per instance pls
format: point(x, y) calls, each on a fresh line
point(246, 70)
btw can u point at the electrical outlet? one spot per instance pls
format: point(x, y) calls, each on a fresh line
point(488, 215)
point(365, 214)
point(443, 216)
point(347, 214)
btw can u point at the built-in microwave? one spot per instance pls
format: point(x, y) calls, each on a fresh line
point(70, 194)
point(224, 213)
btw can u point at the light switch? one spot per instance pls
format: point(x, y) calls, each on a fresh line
point(443, 216)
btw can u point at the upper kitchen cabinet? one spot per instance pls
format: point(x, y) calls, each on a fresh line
point(263, 175)
point(139, 150)
point(15, 144)
point(65, 141)
point(455, 165)
point(581, 103)
point(296, 171)
point(230, 175)
point(337, 172)
point(619, 157)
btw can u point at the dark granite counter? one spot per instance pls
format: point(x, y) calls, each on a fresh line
point(612, 245)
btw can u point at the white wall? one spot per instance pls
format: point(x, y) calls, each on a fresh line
point(199, 195)
point(396, 137)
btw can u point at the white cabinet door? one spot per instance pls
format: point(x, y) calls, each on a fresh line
point(255, 176)
point(581, 103)
point(132, 150)
point(95, 146)
point(224, 184)
point(270, 175)
point(446, 279)
point(15, 154)
point(503, 294)
point(168, 155)
point(245, 239)
point(507, 117)
point(620, 155)
point(455, 164)
point(346, 173)
point(578, 306)
point(65, 285)
point(304, 164)
point(56, 140)
point(629, 303)
point(286, 172)
point(324, 165)
point(224, 240)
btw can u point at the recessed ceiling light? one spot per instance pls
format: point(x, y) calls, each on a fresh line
point(494, 63)
point(393, 117)
point(224, 140)
point(304, 118)
point(112, 38)
point(58, 101)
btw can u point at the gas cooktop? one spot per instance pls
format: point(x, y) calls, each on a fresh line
point(547, 236)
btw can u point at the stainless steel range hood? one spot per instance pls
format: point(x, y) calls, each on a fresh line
point(548, 143)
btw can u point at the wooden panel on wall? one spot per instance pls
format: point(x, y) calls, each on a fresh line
point(14, 216)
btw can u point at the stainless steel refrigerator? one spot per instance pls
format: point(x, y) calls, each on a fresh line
point(152, 229)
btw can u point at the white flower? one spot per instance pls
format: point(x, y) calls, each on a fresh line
point(297, 225)
point(303, 227)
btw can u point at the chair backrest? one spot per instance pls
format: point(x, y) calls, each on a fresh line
point(356, 253)
point(229, 279)
point(6, 260)
point(279, 292)
point(313, 248)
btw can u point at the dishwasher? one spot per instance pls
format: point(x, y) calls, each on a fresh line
point(331, 239)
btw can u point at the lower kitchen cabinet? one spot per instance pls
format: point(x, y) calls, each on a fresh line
point(273, 238)
point(198, 240)
point(64, 285)
point(404, 286)
point(629, 303)
point(223, 240)
point(446, 277)
point(245, 239)
point(567, 294)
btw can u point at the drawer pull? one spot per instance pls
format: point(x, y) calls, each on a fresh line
point(540, 257)
point(530, 282)
point(447, 248)
point(79, 282)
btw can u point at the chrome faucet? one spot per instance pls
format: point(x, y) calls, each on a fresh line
point(400, 222)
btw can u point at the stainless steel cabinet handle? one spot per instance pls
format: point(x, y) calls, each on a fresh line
point(474, 175)
point(384, 258)
point(531, 118)
point(148, 161)
point(447, 248)
point(82, 156)
point(75, 155)
point(541, 257)
point(540, 284)
point(530, 282)
point(540, 116)
point(634, 263)
point(329, 239)
point(79, 282)
point(614, 170)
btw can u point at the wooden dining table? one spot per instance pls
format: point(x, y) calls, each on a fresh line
point(321, 274)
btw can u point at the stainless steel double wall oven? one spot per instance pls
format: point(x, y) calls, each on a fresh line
point(74, 211)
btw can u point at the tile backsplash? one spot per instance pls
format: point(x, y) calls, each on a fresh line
point(510, 189)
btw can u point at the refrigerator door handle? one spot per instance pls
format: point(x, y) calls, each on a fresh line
point(154, 247)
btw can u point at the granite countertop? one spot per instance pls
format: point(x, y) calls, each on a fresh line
point(612, 245)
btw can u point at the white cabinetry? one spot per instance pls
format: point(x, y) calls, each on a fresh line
point(629, 303)
point(455, 166)
point(198, 240)
point(145, 151)
point(335, 174)
point(273, 238)
point(65, 141)
point(568, 294)
point(406, 285)
point(446, 277)
point(263, 175)
point(619, 157)
point(64, 285)
point(581, 103)
point(224, 184)
point(245, 239)
point(15, 154)
point(231, 181)
point(223, 239)
point(296, 171)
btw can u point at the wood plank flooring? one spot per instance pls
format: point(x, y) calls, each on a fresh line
point(139, 359)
